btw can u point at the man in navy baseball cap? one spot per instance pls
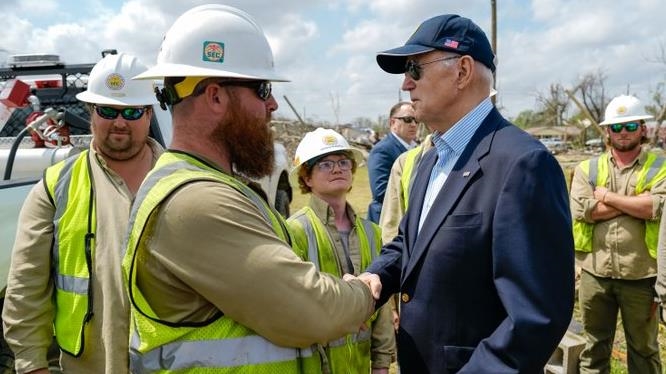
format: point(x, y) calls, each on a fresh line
point(485, 244)
point(448, 32)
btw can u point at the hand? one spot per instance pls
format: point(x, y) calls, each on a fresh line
point(380, 371)
point(373, 282)
point(600, 193)
point(396, 320)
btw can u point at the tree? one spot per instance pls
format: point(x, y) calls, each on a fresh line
point(592, 88)
point(526, 119)
point(553, 105)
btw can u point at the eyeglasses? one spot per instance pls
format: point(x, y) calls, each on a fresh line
point(328, 165)
point(406, 119)
point(129, 113)
point(263, 89)
point(629, 126)
point(413, 68)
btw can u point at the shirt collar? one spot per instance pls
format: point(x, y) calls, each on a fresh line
point(324, 212)
point(457, 137)
point(403, 142)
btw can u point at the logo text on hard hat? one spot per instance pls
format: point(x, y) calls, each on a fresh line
point(213, 51)
point(115, 81)
point(329, 140)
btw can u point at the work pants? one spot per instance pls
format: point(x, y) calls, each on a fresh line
point(599, 300)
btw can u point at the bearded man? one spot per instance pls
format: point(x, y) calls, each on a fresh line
point(213, 282)
point(617, 199)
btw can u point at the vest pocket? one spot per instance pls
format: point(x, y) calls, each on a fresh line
point(456, 357)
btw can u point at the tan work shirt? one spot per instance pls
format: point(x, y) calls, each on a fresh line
point(209, 249)
point(28, 311)
point(618, 246)
point(383, 337)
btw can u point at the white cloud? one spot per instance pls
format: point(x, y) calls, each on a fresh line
point(330, 46)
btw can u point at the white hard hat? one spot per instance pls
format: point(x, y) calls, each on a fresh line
point(624, 108)
point(110, 83)
point(321, 142)
point(214, 40)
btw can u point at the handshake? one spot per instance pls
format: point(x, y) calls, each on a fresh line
point(371, 280)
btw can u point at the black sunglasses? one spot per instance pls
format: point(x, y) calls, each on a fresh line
point(413, 68)
point(129, 113)
point(629, 126)
point(406, 119)
point(263, 89)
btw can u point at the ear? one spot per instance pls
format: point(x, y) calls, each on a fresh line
point(308, 180)
point(216, 98)
point(466, 69)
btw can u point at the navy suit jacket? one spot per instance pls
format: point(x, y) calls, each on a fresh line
point(487, 285)
point(380, 160)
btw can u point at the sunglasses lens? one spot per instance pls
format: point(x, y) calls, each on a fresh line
point(264, 90)
point(132, 114)
point(631, 127)
point(106, 112)
point(414, 70)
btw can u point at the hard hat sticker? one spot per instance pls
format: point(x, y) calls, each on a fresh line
point(329, 140)
point(213, 51)
point(115, 81)
point(621, 109)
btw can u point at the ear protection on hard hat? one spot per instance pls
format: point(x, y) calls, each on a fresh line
point(110, 83)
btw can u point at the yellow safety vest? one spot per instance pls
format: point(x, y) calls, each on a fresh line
point(351, 353)
point(597, 172)
point(409, 168)
point(68, 184)
point(219, 345)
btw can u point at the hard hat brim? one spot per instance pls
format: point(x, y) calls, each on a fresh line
point(625, 119)
point(92, 98)
point(181, 70)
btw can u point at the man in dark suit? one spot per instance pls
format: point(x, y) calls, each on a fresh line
point(403, 127)
point(483, 260)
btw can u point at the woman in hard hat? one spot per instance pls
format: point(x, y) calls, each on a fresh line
point(328, 233)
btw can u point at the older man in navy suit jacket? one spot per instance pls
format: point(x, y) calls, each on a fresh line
point(403, 128)
point(483, 260)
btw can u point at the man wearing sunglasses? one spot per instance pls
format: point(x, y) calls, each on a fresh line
point(403, 127)
point(213, 283)
point(65, 276)
point(617, 199)
point(483, 259)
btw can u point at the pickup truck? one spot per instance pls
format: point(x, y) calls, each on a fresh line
point(54, 86)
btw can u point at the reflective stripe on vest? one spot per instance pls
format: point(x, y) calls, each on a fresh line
point(219, 354)
point(596, 168)
point(351, 352)
point(196, 347)
point(69, 181)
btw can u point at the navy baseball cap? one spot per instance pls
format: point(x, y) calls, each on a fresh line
point(448, 32)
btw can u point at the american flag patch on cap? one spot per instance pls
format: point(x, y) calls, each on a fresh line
point(450, 43)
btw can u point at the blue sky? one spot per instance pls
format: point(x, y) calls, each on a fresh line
point(328, 47)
